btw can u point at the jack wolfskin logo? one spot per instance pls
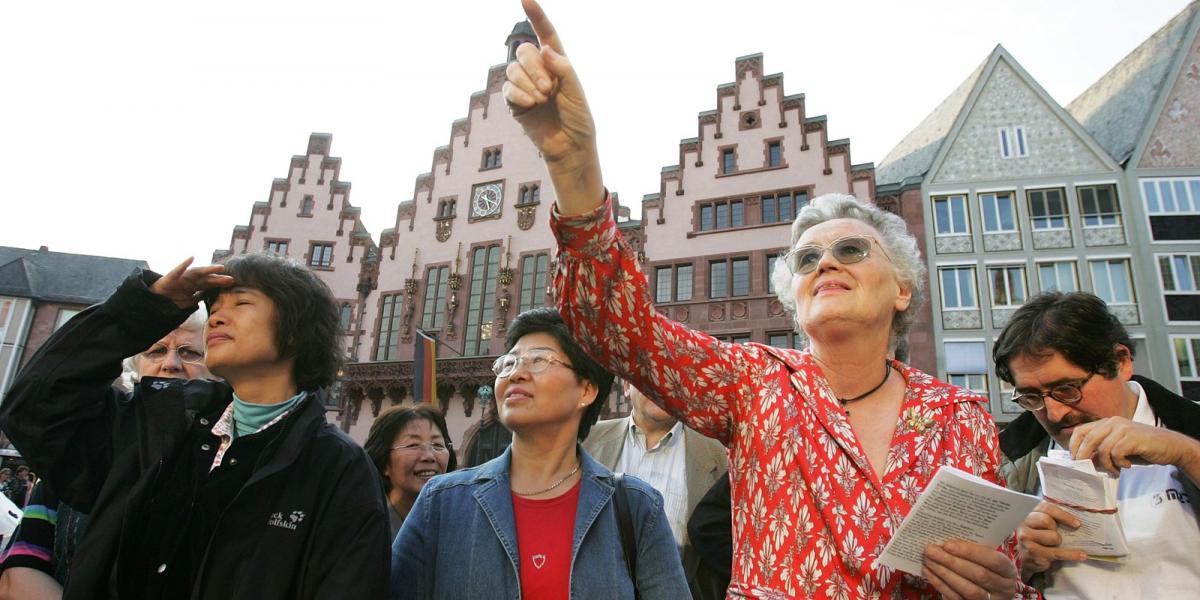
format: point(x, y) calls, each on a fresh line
point(291, 521)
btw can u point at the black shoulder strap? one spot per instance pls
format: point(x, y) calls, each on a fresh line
point(625, 527)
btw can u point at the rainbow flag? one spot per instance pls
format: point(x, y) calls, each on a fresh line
point(425, 369)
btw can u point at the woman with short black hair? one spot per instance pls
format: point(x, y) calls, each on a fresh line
point(253, 495)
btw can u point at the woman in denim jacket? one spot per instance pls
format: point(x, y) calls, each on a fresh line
point(538, 521)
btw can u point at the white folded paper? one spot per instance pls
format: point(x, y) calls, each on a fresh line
point(1076, 486)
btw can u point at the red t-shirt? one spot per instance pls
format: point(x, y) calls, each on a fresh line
point(544, 532)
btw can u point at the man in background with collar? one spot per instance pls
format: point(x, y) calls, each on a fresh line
point(1071, 362)
point(656, 447)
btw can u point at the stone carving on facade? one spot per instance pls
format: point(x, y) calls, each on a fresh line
point(444, 393)
point(994, 242)
point(451, 310)
point(1057, 238)
point(716, 312)
point(395, 392)
point(375, 395)
point(468, 393)
point(953, 244)
point(775, 307)
point(962, 319)
point(738, 310)
point(444, 229)
point(526, 217)
point(1104, 236)
point(502, 304)
point(682, 314)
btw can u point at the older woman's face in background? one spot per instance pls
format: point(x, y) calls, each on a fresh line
point(838, 297)
point(178, 344)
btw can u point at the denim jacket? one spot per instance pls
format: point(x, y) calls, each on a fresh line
point(460, 539)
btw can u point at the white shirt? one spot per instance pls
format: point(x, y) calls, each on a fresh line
point(664, 467)
point(1157, 506)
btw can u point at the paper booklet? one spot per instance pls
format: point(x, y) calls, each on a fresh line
point(956, 505)
point(1076, 486)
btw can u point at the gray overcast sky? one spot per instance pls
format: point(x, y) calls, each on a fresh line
point(148, 129)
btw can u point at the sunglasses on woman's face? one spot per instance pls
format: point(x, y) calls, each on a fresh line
point(847, 250)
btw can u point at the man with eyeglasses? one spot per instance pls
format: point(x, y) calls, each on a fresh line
point(1071, 363)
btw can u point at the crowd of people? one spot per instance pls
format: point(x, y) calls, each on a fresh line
point(743, 470)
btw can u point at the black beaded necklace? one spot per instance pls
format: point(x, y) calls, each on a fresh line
point(887, 372)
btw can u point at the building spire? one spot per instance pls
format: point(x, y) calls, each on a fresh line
point(522, 32)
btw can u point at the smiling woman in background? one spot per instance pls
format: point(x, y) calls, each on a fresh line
point(409, 445)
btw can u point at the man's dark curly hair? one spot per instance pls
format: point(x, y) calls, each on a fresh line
point(307, 327)
point(1076, 325)
point(547, 320)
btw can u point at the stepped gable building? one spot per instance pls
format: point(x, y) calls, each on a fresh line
point(464, 256)
point(1012, 197)
point(308, 217)
point(39, 291)
point(1146, 113)
point(723, 213)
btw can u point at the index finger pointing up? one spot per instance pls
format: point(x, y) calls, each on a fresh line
point(542, 26)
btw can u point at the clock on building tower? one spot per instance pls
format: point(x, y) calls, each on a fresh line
point(485, 202)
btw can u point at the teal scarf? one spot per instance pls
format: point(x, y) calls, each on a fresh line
point(248, 417)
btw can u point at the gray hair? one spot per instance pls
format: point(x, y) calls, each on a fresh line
point(130, 374)
point(899, 244)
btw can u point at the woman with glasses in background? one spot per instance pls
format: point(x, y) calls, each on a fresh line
point(540, 520)
point(829, 446)
point(409, 445)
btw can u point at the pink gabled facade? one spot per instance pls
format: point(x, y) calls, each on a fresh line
point(465, 255)
point(308, 217)
point(724, 211)
point(470, 250)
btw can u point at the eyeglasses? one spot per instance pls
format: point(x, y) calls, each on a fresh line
point(847, 250)
point(436, 448)
point(535, 360)
point(1069, 393)
point(187, 354)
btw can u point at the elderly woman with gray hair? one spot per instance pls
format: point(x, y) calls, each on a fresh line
point(829, 446)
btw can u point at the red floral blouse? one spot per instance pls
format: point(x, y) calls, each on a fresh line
point(809, 513)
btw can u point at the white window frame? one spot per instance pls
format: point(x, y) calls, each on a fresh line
point(1176, 288)
point(949, 199)
point(1055, 263)
point(1033, 219)
point(1190, 186)
point(958, 286)
point(1189, 343)
point(1083, 214)
point(1006, 149)
point(1128, 279)
point(995, 212)
point(971, 378)
point(1008, 292)
point(1022, 142)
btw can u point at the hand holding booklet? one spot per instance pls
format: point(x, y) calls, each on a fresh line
point(955, 505)
point(1076, 487)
